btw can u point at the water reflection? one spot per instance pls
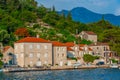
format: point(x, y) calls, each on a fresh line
point(88, 74)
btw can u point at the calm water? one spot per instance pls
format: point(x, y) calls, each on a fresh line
point(88, 74)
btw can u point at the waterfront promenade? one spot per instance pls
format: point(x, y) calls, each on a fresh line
point(53, 68)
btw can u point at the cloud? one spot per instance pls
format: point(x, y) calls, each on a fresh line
point(117, 11)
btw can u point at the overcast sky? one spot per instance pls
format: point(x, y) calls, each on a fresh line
point(99, 6)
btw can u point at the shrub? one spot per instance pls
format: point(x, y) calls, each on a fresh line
point(88, 58)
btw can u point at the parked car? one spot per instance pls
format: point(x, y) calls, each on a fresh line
point(100, 63)
point(76, 64)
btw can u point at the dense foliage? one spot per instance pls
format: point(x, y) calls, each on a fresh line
point(1, 63)
point(88, 58)
point(18, 14)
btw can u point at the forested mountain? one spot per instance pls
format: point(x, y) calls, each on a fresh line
point(84, 15)
point(21, 18)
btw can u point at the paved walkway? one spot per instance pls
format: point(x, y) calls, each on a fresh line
point(53, 68)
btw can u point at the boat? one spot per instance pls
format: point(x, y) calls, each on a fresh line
point(114, 66)
point(1, 70)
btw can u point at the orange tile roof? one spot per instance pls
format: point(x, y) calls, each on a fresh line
point(78, 57)
point(56, 43)
point(80, 49)
point(90, 32)
point(6, 48)
point(69, 49)
point(81, 45)
point(69, 44)
point(32, 39)
point(69, 59)
point(90, 49)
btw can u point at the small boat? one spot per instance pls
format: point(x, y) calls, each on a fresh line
point(1, 70)
point(114, 66)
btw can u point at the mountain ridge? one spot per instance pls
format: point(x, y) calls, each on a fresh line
point(84, 15)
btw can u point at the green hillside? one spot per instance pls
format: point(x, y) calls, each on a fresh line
point(21, 18)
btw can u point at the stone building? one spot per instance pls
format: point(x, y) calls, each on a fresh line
point(59, 53)
point(8, 55)
point(31, 52)
point(88, 35)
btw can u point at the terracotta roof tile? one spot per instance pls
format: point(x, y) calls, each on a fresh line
point(69, 59)
point(56, 43)
point(78, 57)
point(80, 49)
point(6, 48)
point(69, 44)
point(90, 49)
point(81, 45)
point(90, 32)
point(69, 49)
point(32, 39)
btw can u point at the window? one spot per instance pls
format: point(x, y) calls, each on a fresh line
point(31, 55)
point(63, 55)
point(38, 55)
point(104, 48)
point(45, 47)
point(38, 46)
point(57, 48)
point(58, 54)
point(31, 46)
point(45, 55)
point(97, 47)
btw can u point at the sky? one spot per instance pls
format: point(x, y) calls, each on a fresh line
point(98, 6)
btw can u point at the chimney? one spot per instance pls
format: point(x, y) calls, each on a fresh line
point(37, 35)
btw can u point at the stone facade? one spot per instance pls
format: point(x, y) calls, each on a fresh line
point(34, 52)
point(59, 53)
point(60, 56)
point(100, 49)
point(78, 50)
point(8, 55)
point(88, 35)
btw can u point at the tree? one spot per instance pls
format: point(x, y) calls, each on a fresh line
point(1, 64)
point(88, 58)
point(53, 8)
point(41, 11)
point(28, 16)
point(22, 32)
point(69, 16)
point(5, 37)
point(1, 55)
point(113, 37)
point(85, 42)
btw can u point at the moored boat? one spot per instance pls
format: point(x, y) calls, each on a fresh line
point(114, 66)
point(1, 70)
